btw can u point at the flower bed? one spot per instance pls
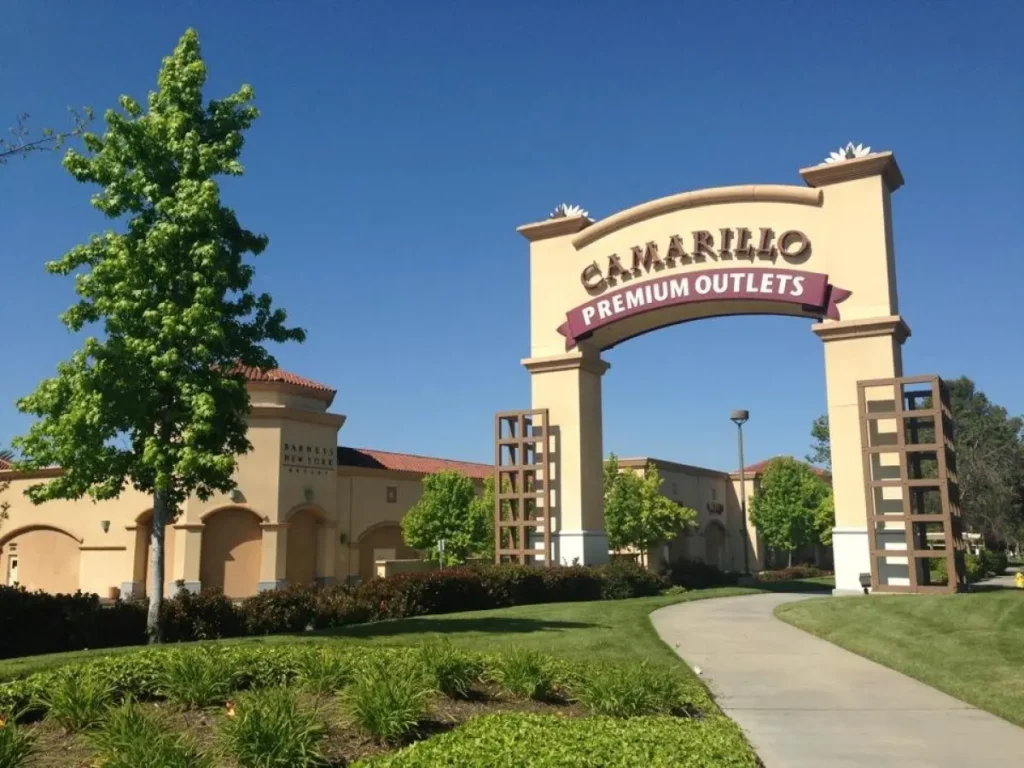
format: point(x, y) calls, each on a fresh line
point(302, 705)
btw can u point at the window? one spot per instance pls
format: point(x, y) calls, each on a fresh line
point(392, 494)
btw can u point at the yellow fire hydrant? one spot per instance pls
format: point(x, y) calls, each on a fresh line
point(1018, 580)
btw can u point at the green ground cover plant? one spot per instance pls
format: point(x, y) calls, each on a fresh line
point(132, 736)
point(273, 727)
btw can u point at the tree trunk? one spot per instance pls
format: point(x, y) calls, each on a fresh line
point(791, 558)
point(156, 577)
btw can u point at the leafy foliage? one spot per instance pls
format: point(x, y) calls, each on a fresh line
point(155, 400)
point(450, 510)
point(17, 745)
point(786, 506)
point(272, 728)
point(77, 698)
point(389, 697)
point(517, 740)
point(632, 691)
point(524, 673)
point(695, 574)
point(24, 142)
point(324, 673)
point(196, 677)
point(821, 447)
point(636, 512)
point(131, 737)
point(454, 672)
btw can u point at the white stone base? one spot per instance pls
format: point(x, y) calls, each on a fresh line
point(584, 547)
point(851, 556)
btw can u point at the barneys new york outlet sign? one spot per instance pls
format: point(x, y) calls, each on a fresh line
point(811, 292)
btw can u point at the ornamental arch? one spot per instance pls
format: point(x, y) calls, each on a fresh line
point(821, 252)
point(231, 551)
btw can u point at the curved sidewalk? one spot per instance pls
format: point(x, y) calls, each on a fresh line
point(805, 703)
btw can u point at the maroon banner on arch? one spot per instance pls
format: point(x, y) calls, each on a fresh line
point(809, 291)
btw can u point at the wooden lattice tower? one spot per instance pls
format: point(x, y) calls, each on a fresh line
point(913, 501)
point(522, 487)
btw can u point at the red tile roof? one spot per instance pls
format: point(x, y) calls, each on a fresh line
point(284, 377)
point(761, 466)
point(366, 458)
point(4, 464)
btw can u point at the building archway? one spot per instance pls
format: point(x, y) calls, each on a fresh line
point(382, 541)
point(715, 545)
point(823, 253)
point(231, 551)
point(40, 557)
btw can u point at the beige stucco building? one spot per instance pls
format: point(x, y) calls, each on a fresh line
point(305, 511)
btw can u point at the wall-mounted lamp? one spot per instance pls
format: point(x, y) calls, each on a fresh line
point(105, 525)
point(237, 496)
point(308, 491)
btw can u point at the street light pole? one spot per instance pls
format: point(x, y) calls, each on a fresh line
point(739, 418)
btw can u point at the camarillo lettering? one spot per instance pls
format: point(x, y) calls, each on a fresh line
point(809, 291)
point(702, 246)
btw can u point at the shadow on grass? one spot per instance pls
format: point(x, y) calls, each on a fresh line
point(811, 587)
point(442, 626)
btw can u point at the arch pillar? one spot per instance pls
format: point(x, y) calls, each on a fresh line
point(855, 350)
point(274, 556)
point(569, 387)
point(188, 548)
point(326, 550)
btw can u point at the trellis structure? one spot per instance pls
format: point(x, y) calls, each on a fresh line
point(522, 487)
point(913, 501)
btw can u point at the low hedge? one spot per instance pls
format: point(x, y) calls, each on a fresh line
point(37, 623)
point(515, 740)
point(695, 574)
point(791, 573)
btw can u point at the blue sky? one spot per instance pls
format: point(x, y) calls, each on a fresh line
point(402, 143)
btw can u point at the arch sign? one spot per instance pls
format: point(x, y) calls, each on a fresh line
point(822, 252)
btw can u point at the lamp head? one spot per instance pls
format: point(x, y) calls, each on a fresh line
point(739, 417)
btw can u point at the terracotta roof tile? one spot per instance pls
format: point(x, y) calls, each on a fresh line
point(366, 458)
point(4, 464)
point(284, 377)
point(760, 466)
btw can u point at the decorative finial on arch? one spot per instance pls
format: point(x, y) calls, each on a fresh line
point(849, 152)
point(566, 211)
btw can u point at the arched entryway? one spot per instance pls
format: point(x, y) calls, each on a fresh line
point(231, 551)
point(714, 545)
point(143, 554)
point(40, 557)
point(301, 565)
point(382, 542)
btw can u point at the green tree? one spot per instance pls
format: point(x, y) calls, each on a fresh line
point(23, 141)
point(483, 511)
point(158, 402)
point(636, 512)
point(6, 457)
point(821, 448)
point(450, 510)
point(789, 505)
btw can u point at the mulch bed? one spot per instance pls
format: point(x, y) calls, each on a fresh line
point(344, 744)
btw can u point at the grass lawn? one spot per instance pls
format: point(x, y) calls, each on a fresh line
point(617, 630)
point(971, 646)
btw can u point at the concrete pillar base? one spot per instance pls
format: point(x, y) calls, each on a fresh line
point(583, 547)
point(325, 581)
point(850, 552)
point(132, 589)
point(266, 586)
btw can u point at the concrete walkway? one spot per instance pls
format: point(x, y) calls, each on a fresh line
point(805, 702)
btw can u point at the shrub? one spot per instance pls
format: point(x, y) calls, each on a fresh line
point(520, 740)
point(336, 606)
point(205, 616)
point(454, 671)
point(324, 673)
point(994, 563)
point(17, 745)
point(791, 573)
point(389, 697)
point(77, 698)
point(291, 609)
point(694, 574)
point(523, 673)
point(973, 567)
point(130, 738)
point(631, 690)
point(621, 579)
point(271, 728)
point(196, 677)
